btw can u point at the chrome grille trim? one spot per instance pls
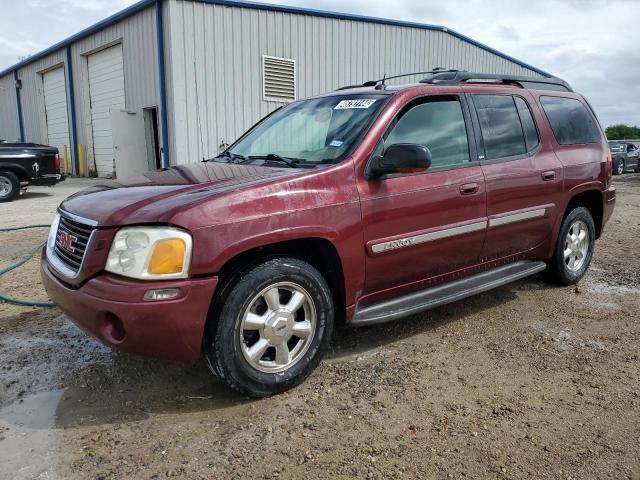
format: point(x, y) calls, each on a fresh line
point(69, 264)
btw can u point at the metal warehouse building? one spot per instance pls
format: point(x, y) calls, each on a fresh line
point(168, 82)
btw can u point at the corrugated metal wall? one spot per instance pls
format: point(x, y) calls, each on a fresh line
point(138, 37)
point(214, 63)
point(9, 126)
point(137, 34)
point(213, 68)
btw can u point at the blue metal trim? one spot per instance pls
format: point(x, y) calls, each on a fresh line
point(365, 18)
point(115, 18)
point(72, 105)
point(19, 105)
point(141, 5)
point(163, 85)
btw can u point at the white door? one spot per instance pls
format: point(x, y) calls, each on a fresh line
point(129, 143)
point(55, 107)
point(106, 92)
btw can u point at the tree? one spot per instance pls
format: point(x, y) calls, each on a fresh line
point(622, 132)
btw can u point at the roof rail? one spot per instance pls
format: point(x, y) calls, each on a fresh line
point(535, 83)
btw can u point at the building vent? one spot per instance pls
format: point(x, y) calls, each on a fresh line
point(278, 79)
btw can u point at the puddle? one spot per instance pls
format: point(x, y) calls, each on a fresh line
point(27, 438)
point(61, 348)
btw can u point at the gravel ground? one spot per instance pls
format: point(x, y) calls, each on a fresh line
point(526, 381)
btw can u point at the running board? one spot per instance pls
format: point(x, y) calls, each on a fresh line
point(443, 294)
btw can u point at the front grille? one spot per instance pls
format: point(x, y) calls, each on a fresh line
point(72, 238)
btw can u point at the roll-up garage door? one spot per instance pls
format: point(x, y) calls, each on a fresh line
point(106, 91)
point(55, 104)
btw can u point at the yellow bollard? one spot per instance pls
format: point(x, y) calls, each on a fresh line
point(66, 159)
point(81, 160)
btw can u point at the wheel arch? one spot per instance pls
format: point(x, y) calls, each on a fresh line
point(18, 170)
point(591, 200)
point(319, 252)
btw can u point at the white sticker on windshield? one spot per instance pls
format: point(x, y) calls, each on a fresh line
point(336, 143)
point(356, 103)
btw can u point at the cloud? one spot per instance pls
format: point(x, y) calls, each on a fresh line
point(590, 43)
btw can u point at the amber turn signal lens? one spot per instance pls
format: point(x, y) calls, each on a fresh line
point(167, 256)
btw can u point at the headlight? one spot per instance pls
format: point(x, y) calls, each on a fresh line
point(150, 253)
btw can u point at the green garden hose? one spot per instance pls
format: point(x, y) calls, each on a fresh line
point(22, 261)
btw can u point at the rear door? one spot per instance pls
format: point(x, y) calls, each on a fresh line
point(522, 173)
point(420, 227)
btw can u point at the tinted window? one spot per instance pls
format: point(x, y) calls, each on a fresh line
point(438, 125)
point(500, 125)
point(528, 125)
point(570, 121)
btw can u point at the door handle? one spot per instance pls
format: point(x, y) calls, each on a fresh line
point(550, 175)
point(469, 188)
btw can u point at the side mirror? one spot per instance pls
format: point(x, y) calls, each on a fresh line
point(399, 158)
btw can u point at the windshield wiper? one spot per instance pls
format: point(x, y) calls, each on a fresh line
point(274, 157)
point(233, 157)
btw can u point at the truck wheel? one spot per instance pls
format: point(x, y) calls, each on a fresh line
point(574, 248)
point(271, 328)
point(619, 170)
point(9, 186)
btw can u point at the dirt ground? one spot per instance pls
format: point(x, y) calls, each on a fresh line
point(526, 381)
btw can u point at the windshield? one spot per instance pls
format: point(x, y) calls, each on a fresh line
point(315, 131)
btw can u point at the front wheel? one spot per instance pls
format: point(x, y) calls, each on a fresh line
point(271, 327)
point(619, 170)
point(574, 248)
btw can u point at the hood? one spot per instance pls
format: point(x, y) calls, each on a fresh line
point(157, 196)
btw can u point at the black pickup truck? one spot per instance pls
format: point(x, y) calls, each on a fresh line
point(24, 164)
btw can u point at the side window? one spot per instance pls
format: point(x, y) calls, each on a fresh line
point(528, 125)
point(500, 125)
point(438, 125)
point(571, 122)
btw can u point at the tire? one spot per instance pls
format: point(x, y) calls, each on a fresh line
point(619, 170)
point(9, 186)
point(232, 346)
point(569, 269)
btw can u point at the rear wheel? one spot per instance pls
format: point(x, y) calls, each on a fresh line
point(9, 186)
point(574, 248)
point(272, 327)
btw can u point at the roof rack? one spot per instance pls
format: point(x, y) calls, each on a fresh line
point(454, 77)
point(380, 84)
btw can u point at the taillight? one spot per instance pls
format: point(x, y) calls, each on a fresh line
point(57, 162)
point(609, 167)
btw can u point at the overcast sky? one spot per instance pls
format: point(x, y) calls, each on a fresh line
point(593, 44)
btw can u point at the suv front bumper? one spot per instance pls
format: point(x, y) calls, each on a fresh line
point(113, 310)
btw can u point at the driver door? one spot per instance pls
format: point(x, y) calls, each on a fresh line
point(420, 228)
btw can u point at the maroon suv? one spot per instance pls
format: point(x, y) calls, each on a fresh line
point(363, 205)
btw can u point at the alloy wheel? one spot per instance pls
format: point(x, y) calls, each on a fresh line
point(5, 187)
point(277, 327)
point(576, 246)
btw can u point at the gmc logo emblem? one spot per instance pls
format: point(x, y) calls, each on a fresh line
point(66, 241)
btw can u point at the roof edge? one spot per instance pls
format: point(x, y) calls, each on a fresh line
point(143, 4)
point(101, 25)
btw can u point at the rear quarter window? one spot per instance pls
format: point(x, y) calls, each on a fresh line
point(570, 121)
